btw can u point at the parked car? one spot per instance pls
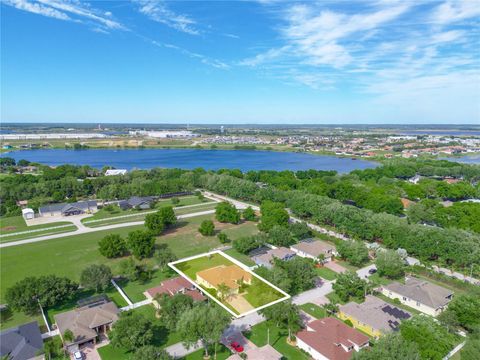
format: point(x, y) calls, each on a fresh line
point(236, 346)
point(372, 271)
point(77, 355)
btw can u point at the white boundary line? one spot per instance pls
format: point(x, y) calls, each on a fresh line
point(238, 263)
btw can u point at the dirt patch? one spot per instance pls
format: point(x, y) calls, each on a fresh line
point(239, 303)
point(8, 228)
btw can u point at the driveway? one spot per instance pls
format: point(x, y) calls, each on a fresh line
point(239, 303)
point(363, 273)
point(314, 294)
point(332, 265)
point(90, 352)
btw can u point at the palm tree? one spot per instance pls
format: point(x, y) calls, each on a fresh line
point(223, 291)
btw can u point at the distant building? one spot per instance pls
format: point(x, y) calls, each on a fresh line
point(171, 287)
point(374, 316)
point(313, 249)
point(419, 294)
point(265, 258)
point(136, 202)
point(68, 209)
point(114, 172)
point(87, 323)
point(23, 342)
point(28, 213)
point(330, 339)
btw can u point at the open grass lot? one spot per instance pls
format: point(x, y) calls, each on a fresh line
point(326, 273)
point(314, 310)
point(162, 337)
point(10, 319)
point(15, 224)
point(257, 294)
point(278, 339)
point(197, 208)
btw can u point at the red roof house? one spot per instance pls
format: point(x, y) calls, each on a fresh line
point(331, 339)
point(178, 285)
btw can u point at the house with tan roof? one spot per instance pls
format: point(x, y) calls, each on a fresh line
point(419, 294)
point(374, 316)
point(231, 275)
point(267, 256)
point(171, 287)
point(313, 249)
point(87, 323)
point(330, 339)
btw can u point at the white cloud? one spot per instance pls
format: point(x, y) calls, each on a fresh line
point(37, 9)
point(457, 10)
point(159, 12)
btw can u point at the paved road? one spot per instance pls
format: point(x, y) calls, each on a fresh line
point(86, 230)
point(311, 295)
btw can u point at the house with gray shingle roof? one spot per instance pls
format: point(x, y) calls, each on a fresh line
point(68, 209)
point(419, 294)
point(23, 342)
point(312, 249)
point(374, 316)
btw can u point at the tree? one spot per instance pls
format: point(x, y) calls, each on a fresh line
point(68, 335)
point(203, 322)
point(285, 315)
point(349, 285)
point(432, 339)
point(150, 352)
point(249, 214)
point(389, 347)
point(141, 243)
point(301, 273)
point(163, 256)
point(175, 201)
point(96, 277)
point(390, 264)
point(466, 308)
point(223, 238)
point(280, 236)
point(472, 346)
point(46, 291)
point(112, 246)
point(172, 307)
point(273, 214)
point(154, 223)
point(354, 251)
point(132, 330)
point(129, 269)
point(167, 216)
point(227, 213)
point(300, 230)
point(207, 228)
point(248, 243)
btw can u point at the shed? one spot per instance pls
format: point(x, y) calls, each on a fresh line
point(28, 213)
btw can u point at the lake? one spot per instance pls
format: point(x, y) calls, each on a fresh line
point(467, 159)
point(244, 160)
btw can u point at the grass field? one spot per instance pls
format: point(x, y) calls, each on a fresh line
point(162, 337)
point(240, 257)
point(278, 339)
point(35, 234)
point(15, 224)
point(326, 273)
point(314, 310)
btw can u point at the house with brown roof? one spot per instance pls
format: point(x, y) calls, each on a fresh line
point(232, 276)
point(419, 294)
point(87, 323)
point(330, 339)
point(171, 287)
point(312, 249)
point(374, 316)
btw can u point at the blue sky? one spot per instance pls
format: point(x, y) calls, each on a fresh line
point(378, 61)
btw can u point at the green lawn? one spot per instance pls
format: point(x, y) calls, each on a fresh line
point(379, 280)
point(135, 289)
point(326, 273)
point(10, 319)
point(245, 259)
point(162, 337)
point(191, 267)
point(194, 209)
point(260, 293)
point(278, 337)
point(222, 353)
point(15, 224)
point(246, 228)
point(314, 310)
point(334, 299)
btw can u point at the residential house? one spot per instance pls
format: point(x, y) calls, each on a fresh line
point(419, 294)
point(28, 213)
point(137, 202)
point(266, 257)
point(232, 276)
point(374, 316)
point(330, 339)
point(266, 352)
point(171, 287)
point(114, 172)
point(87, 323)
point(22, 342)
point(313, 249)
point(69, 209)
